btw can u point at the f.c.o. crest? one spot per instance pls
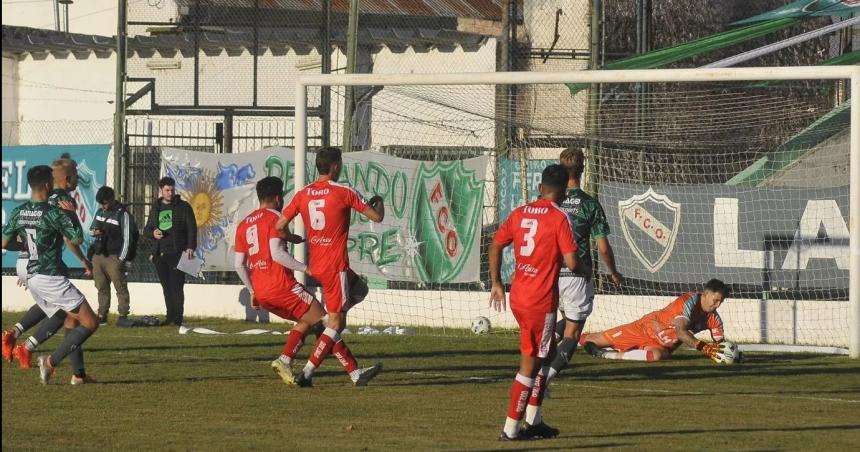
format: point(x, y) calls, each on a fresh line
point(650, 222)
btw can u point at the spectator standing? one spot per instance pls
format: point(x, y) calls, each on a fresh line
point(116, 232)
point(172, 224)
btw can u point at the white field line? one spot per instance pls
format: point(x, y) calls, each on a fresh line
point(658, 391)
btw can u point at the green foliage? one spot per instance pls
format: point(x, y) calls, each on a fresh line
point(159, 390)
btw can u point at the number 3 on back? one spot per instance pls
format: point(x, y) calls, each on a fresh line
point(531, 224)
point(317, 217)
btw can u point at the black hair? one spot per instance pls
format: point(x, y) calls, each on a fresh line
point(166, 181)
point(554, 177)
point(326, 157)
point(269, 187)
point(105, 194)
point(39, 175)
point(715, 285)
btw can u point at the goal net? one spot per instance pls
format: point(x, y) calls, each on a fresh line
point(744, 178)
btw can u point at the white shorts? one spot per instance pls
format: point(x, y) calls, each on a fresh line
point(53, 293)
point(21, 270)
point(575, 297)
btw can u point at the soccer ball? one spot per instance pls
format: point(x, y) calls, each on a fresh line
point(481, 325)
point(728, 353)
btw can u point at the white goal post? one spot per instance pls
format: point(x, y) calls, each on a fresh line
point(851, 73)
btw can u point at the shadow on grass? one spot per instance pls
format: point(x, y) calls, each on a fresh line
point(711, 431)
point(532, 445)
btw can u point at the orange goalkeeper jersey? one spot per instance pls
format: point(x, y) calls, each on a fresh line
point(688, 307)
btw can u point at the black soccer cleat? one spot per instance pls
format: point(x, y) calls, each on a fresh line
point(304, 382)
point(504, 437)
point(539, 431)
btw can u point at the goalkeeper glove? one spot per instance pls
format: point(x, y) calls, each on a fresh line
point(710, 349)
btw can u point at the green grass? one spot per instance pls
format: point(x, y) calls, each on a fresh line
point(159, 390)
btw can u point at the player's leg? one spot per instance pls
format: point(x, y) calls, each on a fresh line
point(24, 351)
point(532, 340)
point(76, 356)
point(33, 316)
point(647, 353)
point(335, 288)
point(576, 300)
point(534, 425)
point(60, 293)
point(299, 305)
point(102, 282)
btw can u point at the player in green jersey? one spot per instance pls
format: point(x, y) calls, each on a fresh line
point(44, 228)
point(576, 289)
point(64, 172)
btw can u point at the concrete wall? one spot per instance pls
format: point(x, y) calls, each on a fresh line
point(817, 322)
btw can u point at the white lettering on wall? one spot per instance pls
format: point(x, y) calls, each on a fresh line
point(726, 238)
point(818, 215)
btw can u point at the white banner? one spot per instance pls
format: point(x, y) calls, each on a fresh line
point(432, 226)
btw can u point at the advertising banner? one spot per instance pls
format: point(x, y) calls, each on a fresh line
point(692, 233)
point(92, 169)
point(432, 226)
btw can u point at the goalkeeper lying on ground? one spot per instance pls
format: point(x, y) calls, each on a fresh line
point(657, 334)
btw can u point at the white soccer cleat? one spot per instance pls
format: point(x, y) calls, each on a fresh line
point(46, 370)
point(284, 371)
point(368, 374)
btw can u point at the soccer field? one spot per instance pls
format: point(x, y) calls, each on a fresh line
point(158, 390)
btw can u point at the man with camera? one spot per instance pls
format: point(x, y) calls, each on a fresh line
point(115, 232)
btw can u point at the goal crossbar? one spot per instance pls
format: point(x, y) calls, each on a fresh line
point(851, 73)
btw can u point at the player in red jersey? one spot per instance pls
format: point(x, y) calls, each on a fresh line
point(657, 334)
point(266, 268)
point(325, 207)
point(542, 239)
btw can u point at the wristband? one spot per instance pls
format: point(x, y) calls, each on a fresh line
point(700, 345)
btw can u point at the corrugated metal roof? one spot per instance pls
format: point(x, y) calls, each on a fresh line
point(473, 9)
point(234, 40)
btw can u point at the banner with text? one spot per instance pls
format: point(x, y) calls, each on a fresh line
point(692, 233)
point(432, 226)
point(92, 169)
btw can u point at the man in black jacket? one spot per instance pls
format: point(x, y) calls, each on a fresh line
point(172, 224)
point(112, 228)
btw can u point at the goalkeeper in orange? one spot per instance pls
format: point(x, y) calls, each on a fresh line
point(657, 334)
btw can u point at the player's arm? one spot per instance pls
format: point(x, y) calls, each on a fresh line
point(502, 239)
point(375, 210)
point(16, 245)
point(73, 236)
point(242, 270)
point(571, 261)
point(567, 245)
point(281, 256)
point(289, 212)
point(10, 232)
point(608, 257)
point(497, 292)
point(682, 329)
point(245, 276)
